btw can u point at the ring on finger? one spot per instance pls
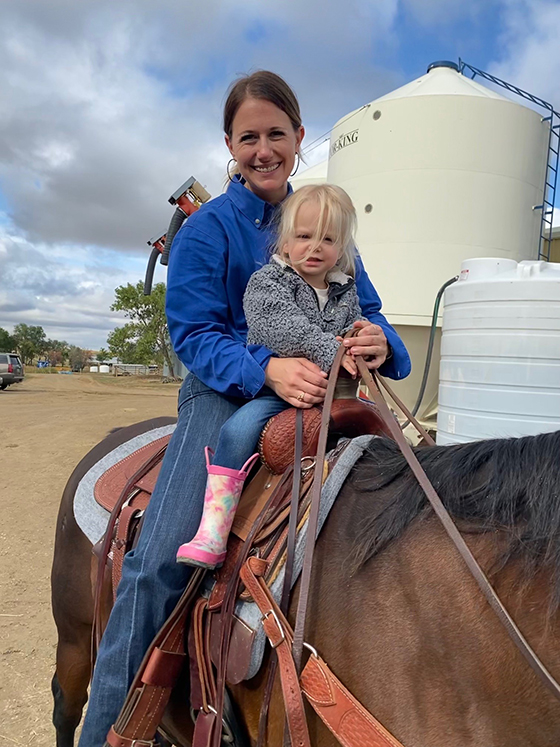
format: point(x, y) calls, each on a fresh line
point(301, 397)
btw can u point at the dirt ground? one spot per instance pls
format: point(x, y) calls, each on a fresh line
point(47, 424)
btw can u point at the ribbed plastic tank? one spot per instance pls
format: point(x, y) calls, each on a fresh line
point(440, 170)
point(500, 351)
point(94, 369)
point(104, 368)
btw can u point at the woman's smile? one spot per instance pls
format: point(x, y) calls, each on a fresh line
point(264, 144)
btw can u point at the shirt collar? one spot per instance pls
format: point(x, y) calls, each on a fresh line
point(256, 210)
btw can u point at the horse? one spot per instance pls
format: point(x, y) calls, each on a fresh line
point(393, 609)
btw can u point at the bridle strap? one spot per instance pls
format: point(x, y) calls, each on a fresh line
point(313, 520)
point(410, 417)
point(480, 577)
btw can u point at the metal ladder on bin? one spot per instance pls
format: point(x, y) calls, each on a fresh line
point(552, 163)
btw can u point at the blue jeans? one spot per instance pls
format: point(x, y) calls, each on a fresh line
point(152, 580)
point(240, 434)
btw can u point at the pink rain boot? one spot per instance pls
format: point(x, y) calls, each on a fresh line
point(223, 490)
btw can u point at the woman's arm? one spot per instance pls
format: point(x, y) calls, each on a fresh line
point(197, 314)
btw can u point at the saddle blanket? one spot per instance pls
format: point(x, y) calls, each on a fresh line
point(90, 516)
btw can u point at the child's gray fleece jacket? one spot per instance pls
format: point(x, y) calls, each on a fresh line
point(283, 313)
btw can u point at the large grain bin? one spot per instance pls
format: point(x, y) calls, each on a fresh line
point(440, 170)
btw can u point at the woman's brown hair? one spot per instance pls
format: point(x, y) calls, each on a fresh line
point(261, 85)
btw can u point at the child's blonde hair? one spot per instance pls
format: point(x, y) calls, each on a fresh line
point(337, 218)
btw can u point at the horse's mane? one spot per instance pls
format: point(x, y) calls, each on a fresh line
point(511, 485)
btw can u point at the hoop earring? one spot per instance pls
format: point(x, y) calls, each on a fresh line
point(294, 172)
point(231, 160)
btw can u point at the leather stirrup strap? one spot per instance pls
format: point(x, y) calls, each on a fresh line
point(228, 607)
point(288, 573)
point(449, 526)
point(151, 689)
point(279, 635)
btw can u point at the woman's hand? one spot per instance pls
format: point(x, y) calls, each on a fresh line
point(370, 343)
point(297, 381)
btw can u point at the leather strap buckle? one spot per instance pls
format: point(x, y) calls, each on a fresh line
point(272, 613)
point(143, 743)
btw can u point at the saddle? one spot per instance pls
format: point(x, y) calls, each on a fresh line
point(125, 490)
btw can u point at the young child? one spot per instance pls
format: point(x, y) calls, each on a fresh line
point(298, 305)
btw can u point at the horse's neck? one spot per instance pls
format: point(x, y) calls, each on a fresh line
point(412, 637)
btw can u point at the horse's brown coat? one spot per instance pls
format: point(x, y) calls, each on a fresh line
point(409, 634)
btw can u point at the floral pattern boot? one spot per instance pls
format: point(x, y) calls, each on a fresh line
point(223, 489)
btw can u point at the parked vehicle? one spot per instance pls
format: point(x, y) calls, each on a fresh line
point(11, 369)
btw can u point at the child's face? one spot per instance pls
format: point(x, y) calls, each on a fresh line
point(313, 267)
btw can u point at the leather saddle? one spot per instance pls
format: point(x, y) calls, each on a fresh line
point(125, 490)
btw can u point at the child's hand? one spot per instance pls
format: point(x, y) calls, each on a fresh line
point(350, 365)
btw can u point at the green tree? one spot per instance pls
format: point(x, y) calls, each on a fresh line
point(30, 341)
point(7, 342)
point(145, 338)
point(78, 357)
point(103, 355)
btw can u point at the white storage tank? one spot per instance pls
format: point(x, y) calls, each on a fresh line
point(104, 368)
point(500, 351)
point(94, 369)
point(440, 170)
point(316, 174)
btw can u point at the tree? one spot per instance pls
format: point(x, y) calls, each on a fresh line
point(103, 355)
point(30, 341)
point(145, 338)
point(7, 342)
point(57, 351)
point(78, 357)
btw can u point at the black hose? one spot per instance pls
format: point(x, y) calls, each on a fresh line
point(148, 280)
point(174, 225)
point(430, 350)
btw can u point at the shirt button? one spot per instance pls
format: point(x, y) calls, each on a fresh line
point(257, 221)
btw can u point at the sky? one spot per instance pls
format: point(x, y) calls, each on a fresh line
point(108, 107)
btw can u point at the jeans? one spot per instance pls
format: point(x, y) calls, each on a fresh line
point(240, 434)
point(152, 581)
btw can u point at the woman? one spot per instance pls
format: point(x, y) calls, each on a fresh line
point(211, 260)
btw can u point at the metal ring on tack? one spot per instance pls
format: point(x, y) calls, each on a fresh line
point(307, 464)
point(309, 647)
point(227, 734)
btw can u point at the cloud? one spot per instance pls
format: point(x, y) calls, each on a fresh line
point(529, 47)
point(67, 290)
point(108, 107)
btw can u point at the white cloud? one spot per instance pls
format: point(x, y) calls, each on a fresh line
point(529, 47)
point(108, 107)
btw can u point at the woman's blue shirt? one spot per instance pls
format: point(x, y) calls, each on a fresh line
point(211, 260)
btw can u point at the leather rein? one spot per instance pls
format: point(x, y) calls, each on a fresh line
point(279, 631)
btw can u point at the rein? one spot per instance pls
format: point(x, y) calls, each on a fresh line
point(350, 723)
point(276, 626)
